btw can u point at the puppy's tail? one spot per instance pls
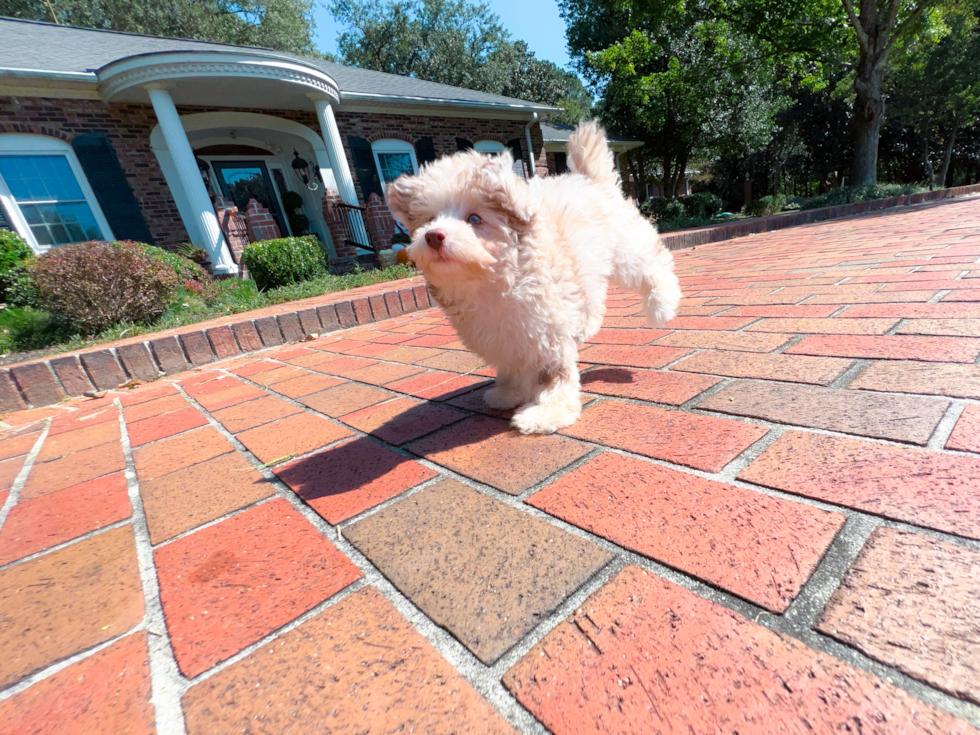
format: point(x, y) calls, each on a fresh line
point(589, 154)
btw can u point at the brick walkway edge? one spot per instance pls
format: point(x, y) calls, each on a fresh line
point(47, 381)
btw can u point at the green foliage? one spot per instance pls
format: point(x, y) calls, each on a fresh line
point(684, 223)
point(29, 329)
point(13, 252)
point(852, 194)
point(703, 205)
point(284, 25)
point(186, 249)
point(95, 285)
point(457, 42)
point(764, 206)
point(677, 77)
point(277, 263)
point(663, 209)
point(190, 274)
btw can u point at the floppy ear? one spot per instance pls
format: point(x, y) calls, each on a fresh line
point(400, 196)
point(510, 193)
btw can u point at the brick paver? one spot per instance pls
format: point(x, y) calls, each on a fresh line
point(461, 558)
point(643, 655)
point(706, 528)
point(340, 535)
point(913, 602)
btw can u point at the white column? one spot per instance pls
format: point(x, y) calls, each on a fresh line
point(338, 159)
point(335, 149)
point(190, 179)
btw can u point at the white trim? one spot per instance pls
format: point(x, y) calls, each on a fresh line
point(134, 71)
point(392, 145)
point(46, 145)
point(489, 146)
point(515, 106)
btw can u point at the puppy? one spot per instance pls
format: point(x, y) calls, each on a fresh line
point(521, 268)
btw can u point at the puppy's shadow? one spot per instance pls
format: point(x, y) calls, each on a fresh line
point(606, 375)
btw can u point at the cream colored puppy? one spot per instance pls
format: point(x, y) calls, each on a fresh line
point(521, 268)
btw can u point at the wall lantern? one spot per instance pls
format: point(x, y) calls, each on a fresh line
point(205, 170)
point(302, 169)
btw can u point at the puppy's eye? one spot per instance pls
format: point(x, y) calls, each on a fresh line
point(474, 219)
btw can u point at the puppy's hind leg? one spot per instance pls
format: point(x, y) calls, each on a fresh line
point(557, 403)
point(506, 393)
point(643, 265)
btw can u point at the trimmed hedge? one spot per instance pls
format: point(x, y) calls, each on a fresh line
point(765, 205)
point(277, 263)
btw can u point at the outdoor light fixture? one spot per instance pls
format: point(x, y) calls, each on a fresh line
point(205, 170)
point(302, 169)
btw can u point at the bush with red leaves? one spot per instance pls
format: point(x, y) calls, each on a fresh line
point(97, 285)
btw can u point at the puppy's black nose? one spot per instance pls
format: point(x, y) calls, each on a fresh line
point(434, 238)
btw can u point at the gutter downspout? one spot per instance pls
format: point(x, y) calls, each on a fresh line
point(530, 149)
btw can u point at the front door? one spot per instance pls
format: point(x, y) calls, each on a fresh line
point(244, 180)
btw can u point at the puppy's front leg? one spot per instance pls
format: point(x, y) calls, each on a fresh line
point(557, 402)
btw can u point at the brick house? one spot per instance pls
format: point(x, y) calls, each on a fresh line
point(108, 135)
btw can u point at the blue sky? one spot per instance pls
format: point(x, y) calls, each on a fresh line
point(534, 21)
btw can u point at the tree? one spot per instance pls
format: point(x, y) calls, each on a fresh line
point(455, 42)
point(448, 41)
point(674, 77)
point(936, 92)
point(284, 25)
point(863, 38)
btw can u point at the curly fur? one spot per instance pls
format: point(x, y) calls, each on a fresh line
point(526, 286)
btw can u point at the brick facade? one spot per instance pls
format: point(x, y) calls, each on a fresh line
point(128, 127)
point(261, 222)
point(442, 130)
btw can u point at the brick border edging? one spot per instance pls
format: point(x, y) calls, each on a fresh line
point(50, 380)
point(756, 225)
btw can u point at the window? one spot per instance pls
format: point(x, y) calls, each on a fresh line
point(394, 158)
point(45, 194)
point(488, 146)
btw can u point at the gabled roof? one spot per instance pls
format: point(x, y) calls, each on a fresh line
point(38, 48)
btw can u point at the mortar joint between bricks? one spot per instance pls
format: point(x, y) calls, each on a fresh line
point(947, 423)
point(787, 344)
point(895, 327)
point(166, 682)
point(851, 374)
point(14, 495)
point(939, 296)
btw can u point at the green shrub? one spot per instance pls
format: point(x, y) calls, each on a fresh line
point(683, 223)
point(703, 205)
point(276, 263)
point(96, 285)
point(191, 275)
point(13, 253)
point(764, 206)
point(663, 209)
point(853, 194)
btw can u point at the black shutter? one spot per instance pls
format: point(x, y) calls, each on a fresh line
point(98, 159)
point(425, 150)
point(367, 172)
point(463, 144)
point(515, 148)
point(561, 163)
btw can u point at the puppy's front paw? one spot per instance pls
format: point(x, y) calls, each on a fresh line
point(544, 419)
point(501, 398)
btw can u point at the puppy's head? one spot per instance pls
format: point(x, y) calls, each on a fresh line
point(464, 212)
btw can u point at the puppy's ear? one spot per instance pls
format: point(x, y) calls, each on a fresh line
point(400, 195)
point(510, 193)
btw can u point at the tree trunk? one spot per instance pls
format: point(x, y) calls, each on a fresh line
point(869, 116)
point(944, 171)
point(874, 37)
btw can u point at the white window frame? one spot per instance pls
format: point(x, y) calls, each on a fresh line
point(392, 145)
point(43, 145)
point(491, 147)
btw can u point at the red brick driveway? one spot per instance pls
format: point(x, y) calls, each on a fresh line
point(766, 520)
